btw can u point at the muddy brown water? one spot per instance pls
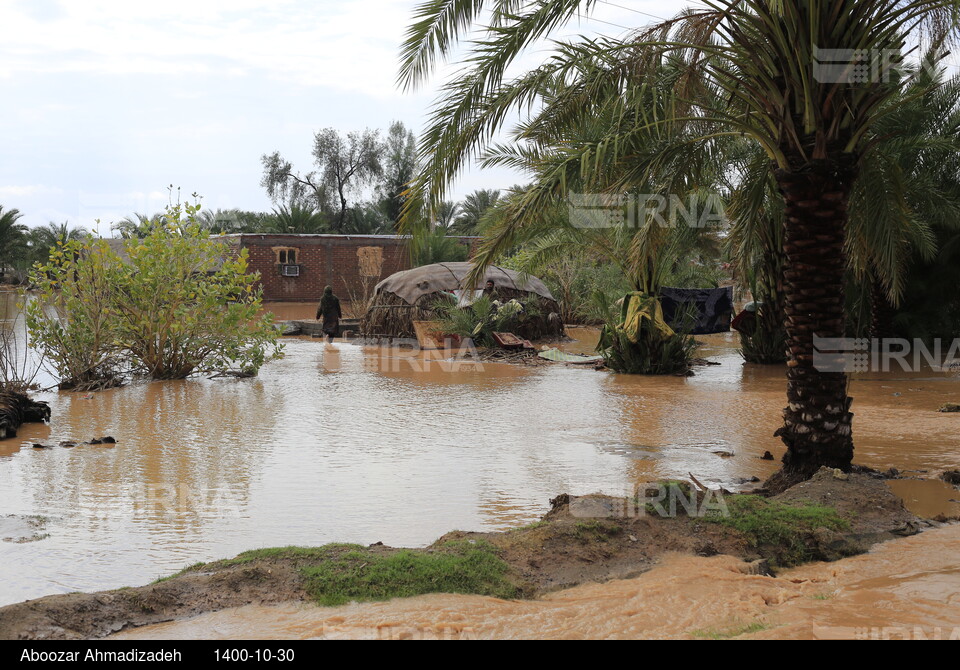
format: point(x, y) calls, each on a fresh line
point(358, 444)
point(907, 589)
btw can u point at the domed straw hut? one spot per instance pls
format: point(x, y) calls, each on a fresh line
point(411, 295)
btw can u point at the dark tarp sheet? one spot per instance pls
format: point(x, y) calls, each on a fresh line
point(711, 309)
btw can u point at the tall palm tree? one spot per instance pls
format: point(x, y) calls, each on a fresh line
point(812, 123)
point(907, 189)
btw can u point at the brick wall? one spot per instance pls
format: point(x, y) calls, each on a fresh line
point(335, 260)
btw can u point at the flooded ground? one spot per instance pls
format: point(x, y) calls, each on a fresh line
point(359, 444)
point(907, 589)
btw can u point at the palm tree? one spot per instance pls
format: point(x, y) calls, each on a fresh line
point(299, 219)
point(45, 237)
point(445, 213)
point(472, 209)
point(907, 189)
point(13, 239)
point(137, 226)
point(764, 56)
point(907, 192)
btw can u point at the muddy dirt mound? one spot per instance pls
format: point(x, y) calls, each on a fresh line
point(582, 539)
point(864, 499)
point(85, 616)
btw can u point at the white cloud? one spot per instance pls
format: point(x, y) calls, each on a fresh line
point(347, 45)
point(110, 100)
point(28, 191)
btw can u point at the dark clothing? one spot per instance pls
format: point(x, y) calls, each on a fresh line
point(329, 312)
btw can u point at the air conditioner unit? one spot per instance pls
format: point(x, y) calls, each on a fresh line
point(290, 270)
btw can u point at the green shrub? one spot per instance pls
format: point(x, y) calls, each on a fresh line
point(179, 304)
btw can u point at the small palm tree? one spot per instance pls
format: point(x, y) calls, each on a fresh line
point(13, 239)
point(472, 210)
point(137, 226)
point(299, 219)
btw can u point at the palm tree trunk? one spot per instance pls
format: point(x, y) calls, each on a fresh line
point(817, 420)
point(881, 311)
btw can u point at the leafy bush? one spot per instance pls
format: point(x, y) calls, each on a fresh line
point(73, 323)
point(180, 304)
point(478, 321)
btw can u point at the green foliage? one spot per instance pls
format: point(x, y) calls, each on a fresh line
point(473, 209)
point(343, 164)
point(299, 219)
point(436, 247)
point(651, 354)
point(179, 304)
point(593, 532)
point(773, 525)
point(483, 318)
point(73, 321)
point(363, 575)
point(478, 320)
point(765, 342)
point(575, 277)
point(13, 239)
point(337, 574)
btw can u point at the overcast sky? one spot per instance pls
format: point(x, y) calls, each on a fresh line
point(105, 103)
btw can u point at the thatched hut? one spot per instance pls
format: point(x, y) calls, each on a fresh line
point(411, 295)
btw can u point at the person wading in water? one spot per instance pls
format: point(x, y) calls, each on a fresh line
point(329, 313)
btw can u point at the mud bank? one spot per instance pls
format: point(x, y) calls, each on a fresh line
point(581, 540)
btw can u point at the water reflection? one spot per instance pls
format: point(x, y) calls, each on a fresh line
point(361, 444)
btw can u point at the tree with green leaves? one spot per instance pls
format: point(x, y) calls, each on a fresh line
point(179, 303)
point(763, 57)
point(907, 191)
point(399, 168)
point(343, 165)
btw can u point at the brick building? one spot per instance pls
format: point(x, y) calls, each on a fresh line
point(295, 268)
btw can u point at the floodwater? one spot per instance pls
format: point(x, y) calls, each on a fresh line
point(907, 589)
point(357, 444)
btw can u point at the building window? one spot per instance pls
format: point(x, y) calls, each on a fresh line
point(286, 255)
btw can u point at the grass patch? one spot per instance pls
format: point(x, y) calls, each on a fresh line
point(784, 528)
point(593, 531)
point(746, 629)
point(671, 498)
point(189, 568)
point(358, 574)
point(285, 554)
point(531, 526)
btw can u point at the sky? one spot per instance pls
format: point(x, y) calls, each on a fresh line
point(105, 104)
